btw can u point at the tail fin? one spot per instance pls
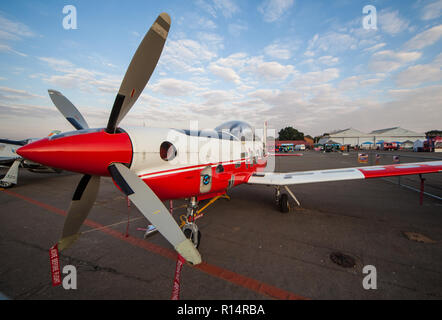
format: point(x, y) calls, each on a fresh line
point(265, 138)
point(54, 132)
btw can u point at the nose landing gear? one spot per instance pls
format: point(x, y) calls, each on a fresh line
point(190, 228)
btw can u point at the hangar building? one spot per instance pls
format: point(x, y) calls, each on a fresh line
point(355, 137)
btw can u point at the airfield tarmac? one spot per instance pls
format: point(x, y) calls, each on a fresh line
point(250, 249)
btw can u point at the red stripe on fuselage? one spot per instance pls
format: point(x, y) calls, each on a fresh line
point(192, 167)
point(185, 184)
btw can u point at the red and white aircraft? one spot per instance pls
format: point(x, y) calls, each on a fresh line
point(147, 163)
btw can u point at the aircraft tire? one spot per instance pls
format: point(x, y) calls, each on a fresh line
point(188, 234)
point(284, 205)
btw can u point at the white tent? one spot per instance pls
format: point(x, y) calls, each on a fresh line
point(417, 145)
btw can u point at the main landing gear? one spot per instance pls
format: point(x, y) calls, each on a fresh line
point(282, 199)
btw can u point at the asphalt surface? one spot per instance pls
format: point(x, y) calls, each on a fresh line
point(250, 249)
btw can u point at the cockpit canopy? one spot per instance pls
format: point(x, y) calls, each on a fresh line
point(239, 129)
point(232, 130)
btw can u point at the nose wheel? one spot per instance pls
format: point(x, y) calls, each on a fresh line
point(192, 232)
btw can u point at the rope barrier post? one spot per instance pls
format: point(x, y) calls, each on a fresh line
point(421, 200)
point(177, 279)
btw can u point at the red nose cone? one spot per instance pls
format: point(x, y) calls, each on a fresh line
point(78, 151)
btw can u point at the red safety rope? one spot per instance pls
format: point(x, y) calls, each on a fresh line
point(177, 279)
point(55, 266)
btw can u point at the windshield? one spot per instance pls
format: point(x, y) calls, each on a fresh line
point(239, 129)
point(74, 133)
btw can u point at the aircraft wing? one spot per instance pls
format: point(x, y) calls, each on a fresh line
point(356, 173)
point(7, 161)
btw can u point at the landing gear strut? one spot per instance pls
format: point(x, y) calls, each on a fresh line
point(282, 199)
point(190, 228)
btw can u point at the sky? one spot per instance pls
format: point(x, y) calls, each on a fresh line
point(312, 65)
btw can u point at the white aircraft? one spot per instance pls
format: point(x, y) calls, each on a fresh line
point(8, 148)
point(151, 165)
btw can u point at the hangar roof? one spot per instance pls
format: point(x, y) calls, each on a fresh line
point(396, 131)
point(350, 132)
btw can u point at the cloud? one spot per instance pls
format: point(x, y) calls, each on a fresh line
point(16, 94)
point(391, 23)
point(225, 73)
point(388, 60)
point(235, 29)
point(269, 71)
point(353, 83)
point(328, 60)
point(281, 49)
point(331, 42)
point(12, 30)
point(375, 47)
point(425, 38)
point(256, 66)
point(217, 97)
point(70, 76)
point(236, 60)
point(273, 10)
point(57, 64)
point(211, 40)
point(419, 74)
point(186, 55)
point(315, 78)
point(6, 48)
point(432, 10)
point(174, 87)
point(275, 51)
point(227, 7)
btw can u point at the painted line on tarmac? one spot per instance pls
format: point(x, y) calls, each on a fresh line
point(215, 271)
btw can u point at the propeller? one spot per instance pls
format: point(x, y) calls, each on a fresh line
point(139, 71)
point(81, 205)
point(138, 74)
point(68, 110)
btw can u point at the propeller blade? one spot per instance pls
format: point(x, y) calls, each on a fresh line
point(139, 71)
point(82, 202)
point(154, 210)
point(68, 110)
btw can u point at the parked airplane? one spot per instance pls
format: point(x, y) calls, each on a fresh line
point(8, 148)
point(10, 158)
point(154, 164)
